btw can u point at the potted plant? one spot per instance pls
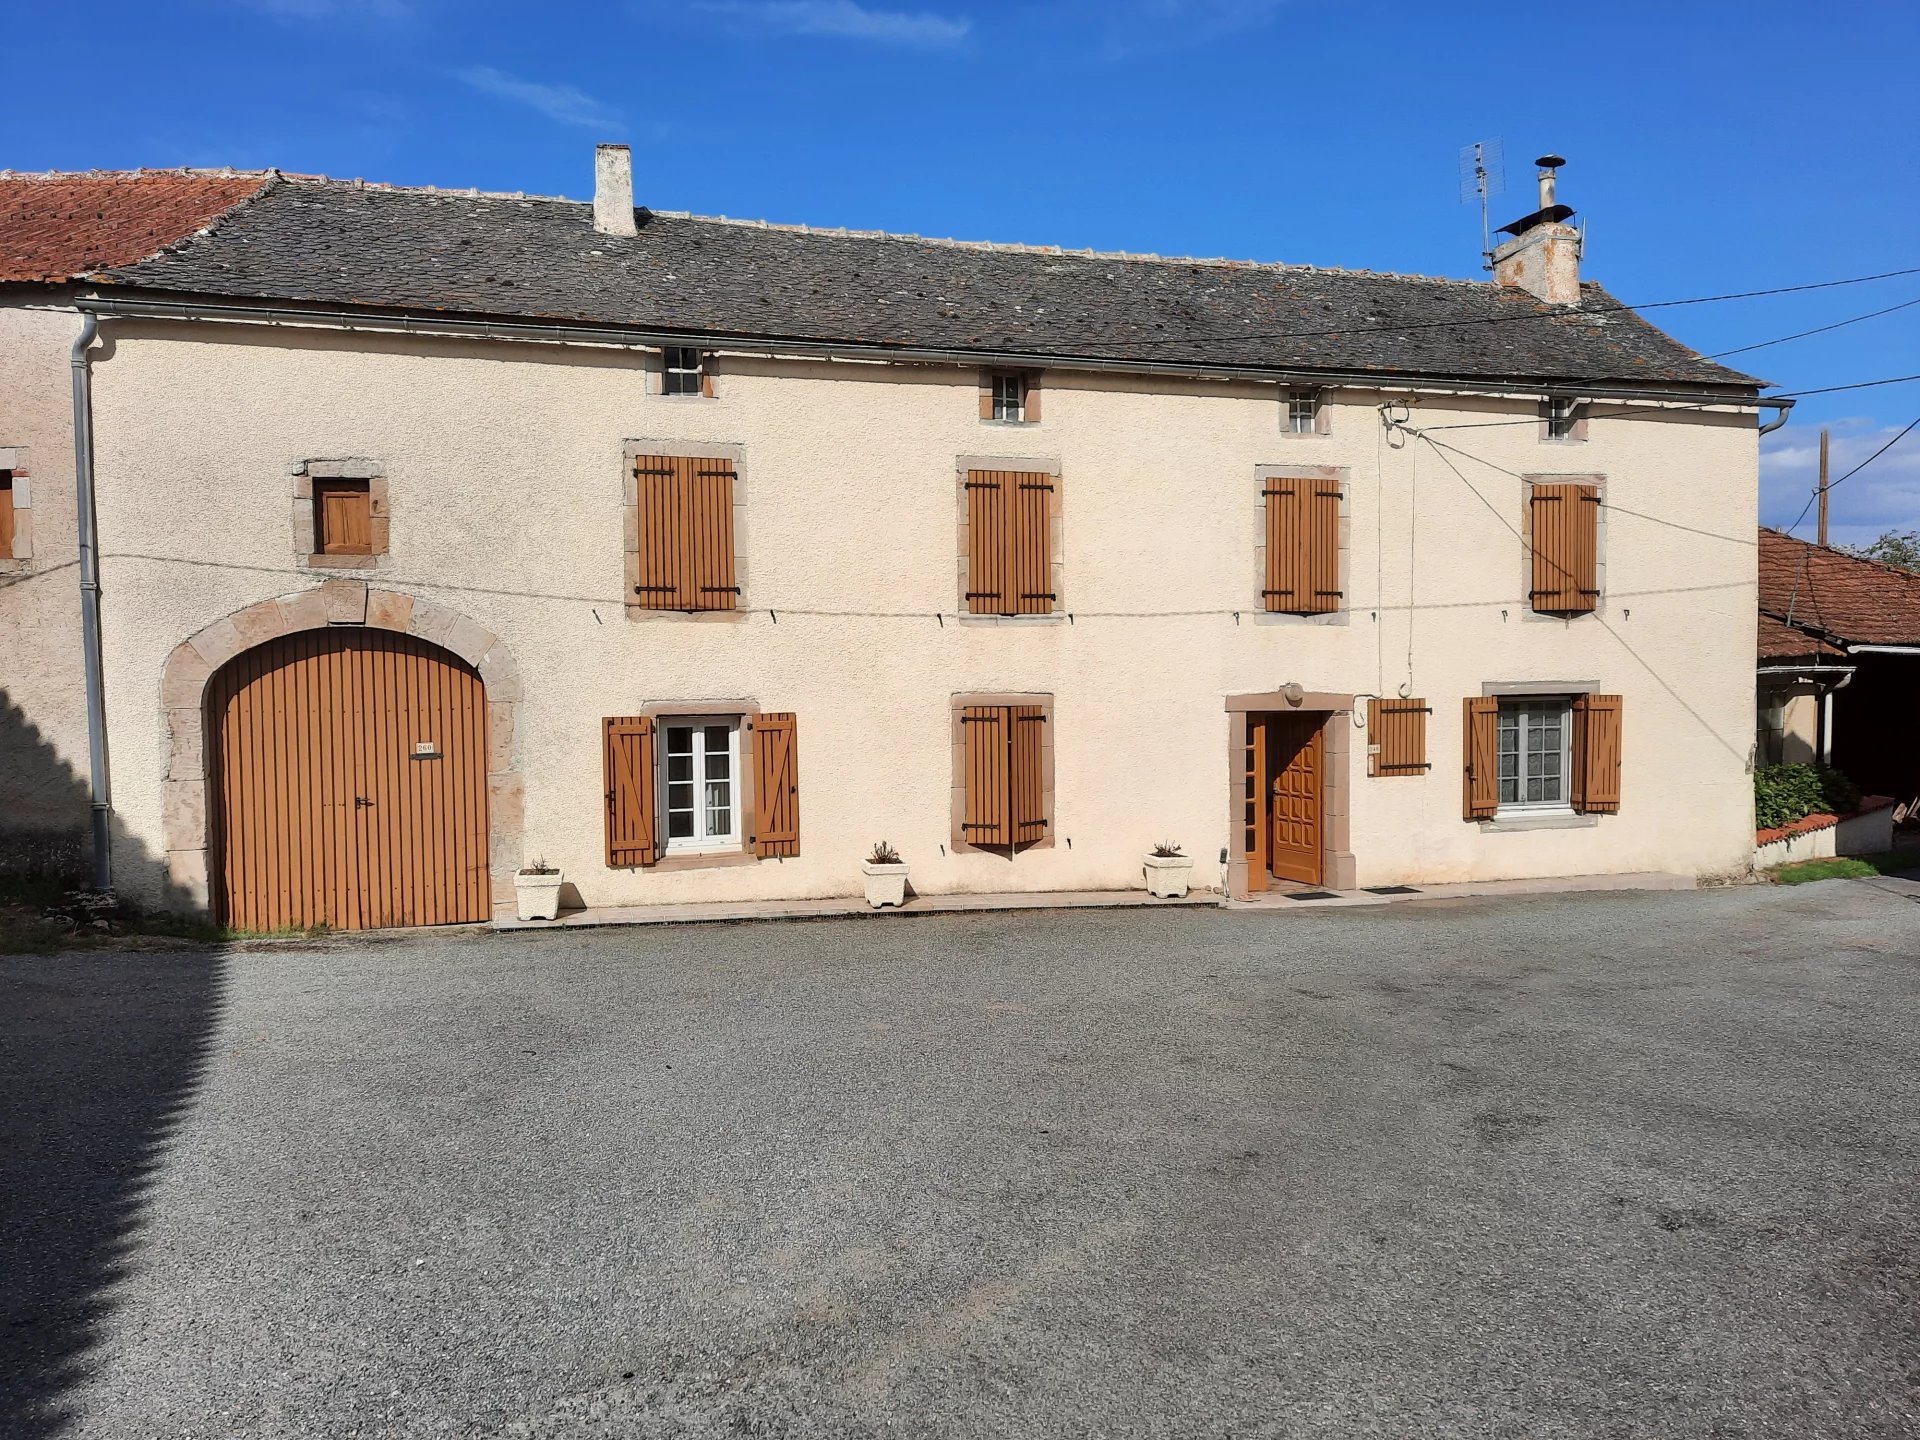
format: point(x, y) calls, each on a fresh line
point(536, 890)
point(1168, 871)
point(886, 876)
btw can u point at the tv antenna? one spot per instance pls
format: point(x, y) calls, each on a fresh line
point(1483, 175)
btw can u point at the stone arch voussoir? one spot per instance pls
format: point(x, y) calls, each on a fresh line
point(192, 663)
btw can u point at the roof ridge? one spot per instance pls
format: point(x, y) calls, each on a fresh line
point(1012, 247)
point(206, 172)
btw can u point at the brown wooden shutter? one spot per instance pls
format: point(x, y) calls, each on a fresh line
point(1397, 737)
point(987, 584)
point(1596, 754)
point(1480, 773)
point(342, 513)
point(986, 395)
point(685, 524)
point(1565, 521)
point(1030, 398)
point(983, 733)
point(6, 514)
point(1303, 546)
point(776, 786)
point(1026, 778)
point(629, 776)
point(1029, 543)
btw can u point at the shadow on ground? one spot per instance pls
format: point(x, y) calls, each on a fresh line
point(102, 1060)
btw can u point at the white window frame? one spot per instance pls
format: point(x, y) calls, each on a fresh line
point(1525, 706)
point(678, 362)
point(1009, 396)
point(1302, 415)
point(703, 841)
point(1563, 416)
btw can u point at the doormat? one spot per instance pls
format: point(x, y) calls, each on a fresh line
point(1311, 895)
point(1393, 889)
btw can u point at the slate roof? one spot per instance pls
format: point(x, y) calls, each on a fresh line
point(55, 227)
point(1834, 595)
point(342, 243)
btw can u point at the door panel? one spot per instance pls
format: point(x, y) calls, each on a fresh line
point(1295, 758)
point(350, 775)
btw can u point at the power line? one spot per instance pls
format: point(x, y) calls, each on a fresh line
point(1700, 405)
point(1569, 312)
point(1818, 330)
point(1806, 555)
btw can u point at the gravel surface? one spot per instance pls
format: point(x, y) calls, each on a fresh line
point(1568, 1166)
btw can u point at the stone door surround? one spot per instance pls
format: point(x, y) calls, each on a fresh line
point(186, 784)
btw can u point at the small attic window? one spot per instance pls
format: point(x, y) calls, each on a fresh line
point(1304, 412)
point(685, 371)
point(1565, 418)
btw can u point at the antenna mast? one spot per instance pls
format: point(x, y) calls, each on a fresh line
point(1482, 176)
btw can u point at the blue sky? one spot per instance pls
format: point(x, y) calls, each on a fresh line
point(1713, 147)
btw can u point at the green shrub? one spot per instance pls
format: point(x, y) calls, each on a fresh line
point(1785, 793)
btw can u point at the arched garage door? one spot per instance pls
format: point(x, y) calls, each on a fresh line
point(349, 779)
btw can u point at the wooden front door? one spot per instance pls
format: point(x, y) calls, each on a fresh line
point(1296, 763)
point(350, 779)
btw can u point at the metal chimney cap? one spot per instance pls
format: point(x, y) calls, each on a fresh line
point(1551, 162)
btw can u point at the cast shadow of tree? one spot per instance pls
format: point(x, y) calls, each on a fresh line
point(102, 1053)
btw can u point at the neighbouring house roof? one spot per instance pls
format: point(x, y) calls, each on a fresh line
point(1781, 643)
point(1819, 593)
point(57, 227)
point(343, 243)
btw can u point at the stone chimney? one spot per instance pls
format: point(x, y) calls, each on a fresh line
point(613, 190)
point(1543, 253)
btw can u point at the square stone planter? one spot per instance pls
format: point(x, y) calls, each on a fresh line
point(1168, 875)
point(537, 897)
point(886, 884)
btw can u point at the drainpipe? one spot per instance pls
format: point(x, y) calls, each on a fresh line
point(1826, 719)
point(97, 779)
point(1784, 409)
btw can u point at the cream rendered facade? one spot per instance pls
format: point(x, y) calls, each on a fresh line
point(504, 463)
point(43, 710)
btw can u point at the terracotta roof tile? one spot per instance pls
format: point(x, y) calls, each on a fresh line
point(1780, 641)
point(61, 226)
point(1831, 593)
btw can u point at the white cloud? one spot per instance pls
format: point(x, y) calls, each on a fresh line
point(846, 20)
point(1152, 26)
point(1884, 496)
point(561, 103)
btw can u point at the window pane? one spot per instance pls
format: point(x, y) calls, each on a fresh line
point(680, 824)
point(679, 740)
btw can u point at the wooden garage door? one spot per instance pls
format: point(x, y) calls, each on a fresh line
point(350, 786)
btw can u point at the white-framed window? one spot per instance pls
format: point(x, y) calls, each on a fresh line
point(1563, 418)
point(1536, 755)
point(1303, 412)
point(685, 371)
point(700, 783)
point(1009, 396)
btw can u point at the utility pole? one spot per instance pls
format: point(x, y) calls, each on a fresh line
point(1823, 486)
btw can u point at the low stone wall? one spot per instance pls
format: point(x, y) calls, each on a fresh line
point(1867, 831)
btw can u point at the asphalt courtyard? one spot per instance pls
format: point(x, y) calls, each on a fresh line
point(1564, 1166)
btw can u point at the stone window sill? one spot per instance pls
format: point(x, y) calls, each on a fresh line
point(1547, 820)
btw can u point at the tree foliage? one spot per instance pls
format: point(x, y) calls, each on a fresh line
point(1896, 547)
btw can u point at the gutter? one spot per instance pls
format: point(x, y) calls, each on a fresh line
point(1883, 649)
point(643, 338)
point(99, 783)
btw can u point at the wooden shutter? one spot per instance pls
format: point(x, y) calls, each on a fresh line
point(1397, 737)
point(1303, 546)
point(776, 786)
point(1030, 543)
point(1596, 754)
point(342, 514)
point(629, 775)
point(985, 819)
point(1026, 777)
point(1481, 771)
point(1565, 521)
point(685, 525)
point(986, 394)
point(1030, 397)
point(6, 514)
point(1009, 542)
point(1004, 757)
